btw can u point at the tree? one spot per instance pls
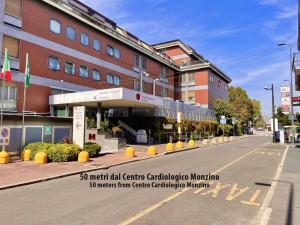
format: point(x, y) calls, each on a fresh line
point(241, 104)
point(283, 120)
point(223, 107)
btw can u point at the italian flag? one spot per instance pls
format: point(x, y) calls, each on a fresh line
point(6, 73)
point(27, 73)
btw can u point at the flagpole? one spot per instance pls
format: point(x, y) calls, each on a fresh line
point(2, 99)
point(24, 104)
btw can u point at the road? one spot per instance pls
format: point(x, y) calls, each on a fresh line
point(245, 169)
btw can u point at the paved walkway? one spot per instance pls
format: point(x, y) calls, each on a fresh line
point(20, 172)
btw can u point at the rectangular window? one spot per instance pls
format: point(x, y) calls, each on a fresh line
point(96, 75)
point(191, 77)
point(110, 50)
point(136, 60)
point(109, 79)
point(144, 63)
point(12, 46)
point(114, 52)
point(9, 97)
point(84, 39)
point(83, 71)
point(116, 80)
point(163, 71)
point(55, 26)
point(71, 33)
point(117, 53)
point(70, 68)
point(14, 7)
point(96, 45)
point(53, 63)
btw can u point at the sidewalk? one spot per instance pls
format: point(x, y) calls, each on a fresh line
point(286, 201)
point(26, 172)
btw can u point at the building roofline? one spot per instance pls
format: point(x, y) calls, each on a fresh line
point(114, 32)
point(177, 42)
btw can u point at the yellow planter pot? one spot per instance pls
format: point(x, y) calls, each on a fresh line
point(130, 152)
point(83, 157)
point(179, 145)
point(169, 147)
point(40, 158)
point(152, 150)
point(191, 143)
point(4, 157)
point(26, 155)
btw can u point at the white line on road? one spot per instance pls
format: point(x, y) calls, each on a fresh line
point(265, 210)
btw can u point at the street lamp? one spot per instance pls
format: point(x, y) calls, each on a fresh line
point(291, 89)
point(273, 109)
point(154, 81)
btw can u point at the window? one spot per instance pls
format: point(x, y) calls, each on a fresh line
point(55, 26)
point(70, 68)
point(109, 79)
point(70, 33)
point(84, 39)
point(9, 97)
point(211, 78)
point(110, 50)
point(163, 92)
point(191, 77)
point(12, 46)
point(83, 71)
point(96, 45)
point(163, 71)
point(96, 75)
point(225, 87)
point(116, 80)
point(219, 83)
point(136, 60)
point(144, 63)
point(117, 53)
point(14, 7)
point(53, 63)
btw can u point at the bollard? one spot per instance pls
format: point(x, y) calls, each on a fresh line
point(4, 157)
point(26, 155)
point(191, 143)
point(179, 145)
point(152, 150)
point(40, 158)
point(130, 152)
point(169, 147)
point(83, 157)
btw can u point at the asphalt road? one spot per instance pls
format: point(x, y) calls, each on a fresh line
point(234, 199)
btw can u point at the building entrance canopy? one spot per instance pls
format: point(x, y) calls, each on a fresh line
point(109, 98)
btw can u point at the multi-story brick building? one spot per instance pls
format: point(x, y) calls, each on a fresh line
point(73, 48)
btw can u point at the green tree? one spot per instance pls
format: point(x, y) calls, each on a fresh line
point(241, 104)
point(223, 107)
point(283, 120)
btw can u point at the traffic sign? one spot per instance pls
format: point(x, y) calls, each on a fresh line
point(222, 121)
point(223, 117)
point(233, 120)
point(4, 135)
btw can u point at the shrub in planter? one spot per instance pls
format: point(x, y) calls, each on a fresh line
point(63, 152)
point(92, 148)
point(37, 147)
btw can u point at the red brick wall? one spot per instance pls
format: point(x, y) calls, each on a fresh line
point(176, 50)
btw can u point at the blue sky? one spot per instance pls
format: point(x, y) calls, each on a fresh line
point(239, 36)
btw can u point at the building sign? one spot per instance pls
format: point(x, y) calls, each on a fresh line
point(285, 99)
point(296, 101)
point(4, 135)
point(47, 130)
point(79, 125)
point(168, 126)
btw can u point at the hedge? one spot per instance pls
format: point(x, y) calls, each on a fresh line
point(92, 148)
point(55, 152)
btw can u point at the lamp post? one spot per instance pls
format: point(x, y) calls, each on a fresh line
point(273, 109)
point(154, 81)
point(291, 90)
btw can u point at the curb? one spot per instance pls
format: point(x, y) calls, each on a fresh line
point(103, 167)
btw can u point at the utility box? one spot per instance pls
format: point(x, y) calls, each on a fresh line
point(282, 137)
point(141, 137)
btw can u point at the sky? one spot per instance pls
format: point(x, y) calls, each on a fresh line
point(239, 36)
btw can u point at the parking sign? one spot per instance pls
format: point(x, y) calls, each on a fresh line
point(4, 136)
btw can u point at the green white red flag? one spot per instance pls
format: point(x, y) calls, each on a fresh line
point(6, 73)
